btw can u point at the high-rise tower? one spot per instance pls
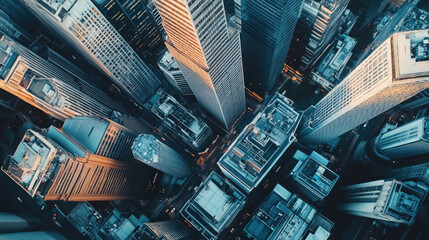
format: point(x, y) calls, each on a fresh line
point(133, 20)
point(151, 151)
point(48, 87)
point(102, 136)
point(85, 28)
point(388, 200)
point(267, 30)
point(318, 24)
point(394, 72)
point(55, 166)
point(408, 140)
point(208, 53)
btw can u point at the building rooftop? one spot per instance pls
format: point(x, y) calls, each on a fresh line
point(167, 62)
point(84, 218)
point(283, 215)
point(336, 59)
point(192, 129)
point(57, 5)
point(311, 172)
point(415, 131)
point(256, 150)
point(7, 56)
point(391, 200)
point(412, 54)
point(213, 206)
point(34, 162)
point(146, 148)
point(119, 226)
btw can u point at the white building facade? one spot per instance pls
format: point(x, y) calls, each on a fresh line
point(388, 200)
point(47, 87)
point(408, 140)
point(389, 76)
point(82, 26)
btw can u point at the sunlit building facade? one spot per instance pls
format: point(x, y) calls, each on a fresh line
point(47, 87)
point(84, 27)
point(55, 166)
point(165, 230)
point(208, 52)
point(266, 33)
point(394, 72)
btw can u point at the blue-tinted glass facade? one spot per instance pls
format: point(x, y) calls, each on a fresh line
point(267, 30)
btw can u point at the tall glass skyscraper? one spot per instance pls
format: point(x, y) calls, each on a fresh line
point(208, 53)
point(84, 27)
point(267, 30)
point(394, 72)
point(133, 20)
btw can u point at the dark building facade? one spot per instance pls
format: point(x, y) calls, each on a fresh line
point(133, 21)
point(267, 30)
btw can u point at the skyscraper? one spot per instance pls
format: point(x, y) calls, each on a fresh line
point(55, 166)
point(208, 53)
point(318, 24)
point(47, 87)
point(151, 151)
point(408, 140)
point(267, 30)
point(102, 136)
point(394, 72)
point(388, 200)
point(84, 27)
point(328, 72)
point(133, 20)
